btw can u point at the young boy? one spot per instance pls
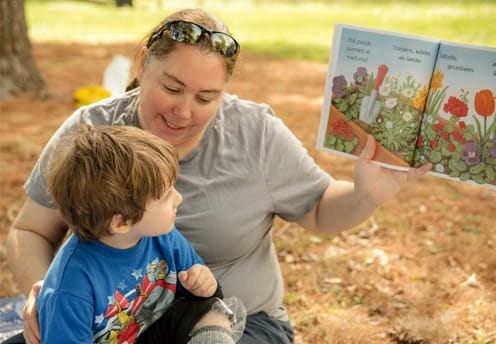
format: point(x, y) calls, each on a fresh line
point(126, 266)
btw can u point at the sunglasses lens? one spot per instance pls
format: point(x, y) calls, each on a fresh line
point(224, 44)
point(185, 32)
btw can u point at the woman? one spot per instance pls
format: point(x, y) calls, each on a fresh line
point(240, 167)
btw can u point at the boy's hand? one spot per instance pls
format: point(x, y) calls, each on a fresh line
point(198, 280)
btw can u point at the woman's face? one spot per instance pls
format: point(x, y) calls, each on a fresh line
point(180, 93)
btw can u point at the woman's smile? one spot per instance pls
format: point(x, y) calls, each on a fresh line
point(171, 125)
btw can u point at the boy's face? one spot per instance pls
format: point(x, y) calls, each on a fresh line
point(159, 215)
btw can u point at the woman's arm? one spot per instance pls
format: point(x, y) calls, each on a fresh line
point(31, 243)
point(345, 205)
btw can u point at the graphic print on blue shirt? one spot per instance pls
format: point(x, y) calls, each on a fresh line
point(127, 314)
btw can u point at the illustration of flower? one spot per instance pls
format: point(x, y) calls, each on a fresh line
point(340, 127)
point(419, 101)
point(456, 135)
point(348, 97)
point(339, 86)
point(456, 107)
point(429, 119)
point(484, 103)
point(384, 90)
point(464, 150)
point(408, 92)
point(407, 116)
point(361, 77)
point(470, 154)
point(492, 150)
point(341, 137)
point(438, 126)
point(439, 168)
point(437, 80)
point(436, 95)
point(456, 146)
point(396, 125)
point(391, 103)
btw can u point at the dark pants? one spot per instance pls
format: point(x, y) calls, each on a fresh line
point(260, 328)
point(175, 325)
point(17, 339)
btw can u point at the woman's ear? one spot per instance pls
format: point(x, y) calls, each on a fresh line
point(119, 225)
point(141, 65)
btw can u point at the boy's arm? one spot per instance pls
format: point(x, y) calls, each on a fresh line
point(65, 319)
point(195, 278)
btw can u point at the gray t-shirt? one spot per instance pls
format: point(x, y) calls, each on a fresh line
point(247, 168)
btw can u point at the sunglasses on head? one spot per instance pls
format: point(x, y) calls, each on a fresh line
point(190, 33)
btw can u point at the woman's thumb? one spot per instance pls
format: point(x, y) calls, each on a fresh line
point(369, 149)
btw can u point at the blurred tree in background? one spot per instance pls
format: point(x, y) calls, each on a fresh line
point(18, 70)
point(121, 3)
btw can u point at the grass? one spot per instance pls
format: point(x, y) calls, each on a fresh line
point(293, 29)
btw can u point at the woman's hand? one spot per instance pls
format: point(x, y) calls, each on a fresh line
point(376, 184)
point(199, 281)
point(30, 315)
point(345, 205)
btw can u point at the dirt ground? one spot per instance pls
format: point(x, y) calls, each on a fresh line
point(422, 270)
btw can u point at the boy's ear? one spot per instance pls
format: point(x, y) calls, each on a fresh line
point(119, 225)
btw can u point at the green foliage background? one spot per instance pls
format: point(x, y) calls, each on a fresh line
point(294, 29)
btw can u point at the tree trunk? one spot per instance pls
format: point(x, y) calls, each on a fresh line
point(18, 70)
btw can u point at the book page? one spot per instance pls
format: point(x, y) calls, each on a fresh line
point(376, 83)
point(458, 133)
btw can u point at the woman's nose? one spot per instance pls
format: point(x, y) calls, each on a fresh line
point(182, 108)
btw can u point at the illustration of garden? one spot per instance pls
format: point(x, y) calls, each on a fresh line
point(414, 124)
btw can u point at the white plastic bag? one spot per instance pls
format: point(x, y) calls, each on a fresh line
point(116, 75)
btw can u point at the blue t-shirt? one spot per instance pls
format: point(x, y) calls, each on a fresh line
point(94, 293)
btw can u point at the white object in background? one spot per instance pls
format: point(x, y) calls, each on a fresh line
point(116, 75)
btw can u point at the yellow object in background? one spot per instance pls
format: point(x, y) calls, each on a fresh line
point(90, 94)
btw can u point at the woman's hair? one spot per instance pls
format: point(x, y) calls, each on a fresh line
point(162, 47)
point(104, 171)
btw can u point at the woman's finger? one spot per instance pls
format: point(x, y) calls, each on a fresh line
point(30, 315)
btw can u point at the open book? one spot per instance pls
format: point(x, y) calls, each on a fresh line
point(423, 100)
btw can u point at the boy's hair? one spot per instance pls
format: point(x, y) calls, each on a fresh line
point(104, 171)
